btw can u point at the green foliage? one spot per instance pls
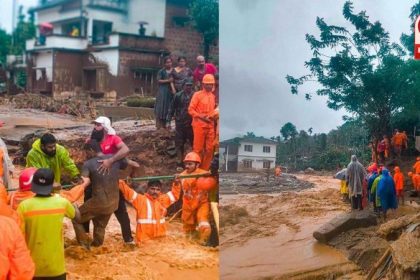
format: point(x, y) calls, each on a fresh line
point(137, 101)
point(5, 40)
point(205, 17)
point(288, 131)
point(361, 71)
point(250, 134)
point(24, 30)
point(407, 40)
point(325, 151)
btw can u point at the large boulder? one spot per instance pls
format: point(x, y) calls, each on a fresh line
point(344, 222)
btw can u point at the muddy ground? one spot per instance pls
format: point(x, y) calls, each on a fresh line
point(173, 257)
point(269, 236)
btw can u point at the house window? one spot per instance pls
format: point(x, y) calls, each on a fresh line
point(266, 164)
point(266, 149)
point(247, 163)
point(248, 148)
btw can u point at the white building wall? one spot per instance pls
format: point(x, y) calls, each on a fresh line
point(257, 150)
point(257, 162)
point(54, 14)
point(111, 57)
point(45, 60)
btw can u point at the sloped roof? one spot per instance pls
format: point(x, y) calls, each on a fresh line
point(259, 140)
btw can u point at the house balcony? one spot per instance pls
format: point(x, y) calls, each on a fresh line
point(57, 41)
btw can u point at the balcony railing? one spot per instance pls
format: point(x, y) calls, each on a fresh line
point(57, 41)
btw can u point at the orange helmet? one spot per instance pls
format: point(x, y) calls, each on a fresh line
point(192, 156)
point(25, 179)
point(206, 183)
point(208, 79)
point(410, 174)
point(418, 158)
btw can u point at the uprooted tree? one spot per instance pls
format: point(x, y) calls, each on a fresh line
point(362, 71)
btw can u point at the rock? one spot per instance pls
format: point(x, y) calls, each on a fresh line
point(309, 170)
point(344, 222)
point(405, 255)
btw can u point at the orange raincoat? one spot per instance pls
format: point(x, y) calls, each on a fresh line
point(150, 212)
point(416, 166)
point(195, 206)
point(5, 209)
point(399, 181)
point(15, 259)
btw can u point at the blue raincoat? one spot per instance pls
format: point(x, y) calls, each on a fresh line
point(386, 192)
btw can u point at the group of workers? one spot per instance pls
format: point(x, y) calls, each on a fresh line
point(376, 184)
point(389, 148)
point(196, 113)
point(31, 219)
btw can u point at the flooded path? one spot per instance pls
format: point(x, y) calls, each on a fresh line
point(290, 247)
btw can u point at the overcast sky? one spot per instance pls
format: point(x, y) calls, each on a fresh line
point(261, 41)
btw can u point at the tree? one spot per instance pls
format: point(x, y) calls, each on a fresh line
point(205, 17)
point(5, 40)
point(288, 131)
point(362, 72)
point(250, 134)
point(24, 30)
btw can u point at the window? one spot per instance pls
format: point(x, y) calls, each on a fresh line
point(266, 164)
point(247, 163)
point(248, 148)
point(266, 149)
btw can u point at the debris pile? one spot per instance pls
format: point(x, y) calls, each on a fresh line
point(253, 183)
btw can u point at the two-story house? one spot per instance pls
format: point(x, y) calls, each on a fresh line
point(247, 153)
point(107, 47)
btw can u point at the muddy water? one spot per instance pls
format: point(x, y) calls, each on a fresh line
point(284, 253)
point(290, 249)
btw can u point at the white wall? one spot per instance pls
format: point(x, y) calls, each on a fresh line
point(151, 11)
point(257, 162)
point(257, 150)
point(45, 60)
point(71, 43)
point(111, 57)
point(53, 14)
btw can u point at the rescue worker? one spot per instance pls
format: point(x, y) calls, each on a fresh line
point(202, 110)
point(399, 183)
point(151, 208)
point(42, 224)
point(5, 209)
point(105, 196)
point(15, 258)
point(195, 205)
point(277, 171)
point(397, 142)
point(111, 144)
point(405, 140)
point(46, 153)
point(415, 178)
point(416, 166)
point(183, 120)
point(7, 167)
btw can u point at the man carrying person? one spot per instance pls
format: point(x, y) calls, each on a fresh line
point(111, 144)
point(183, 120)
point(104, 199)
point(42, 224)
point(46, 153)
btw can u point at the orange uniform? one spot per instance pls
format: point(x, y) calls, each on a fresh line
point(399, 181)
point(416, 166)
point(5, 209)
point(203, 105)
point(150, 212)
point(195, 206)
point(15, 259)
point(277, 171)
